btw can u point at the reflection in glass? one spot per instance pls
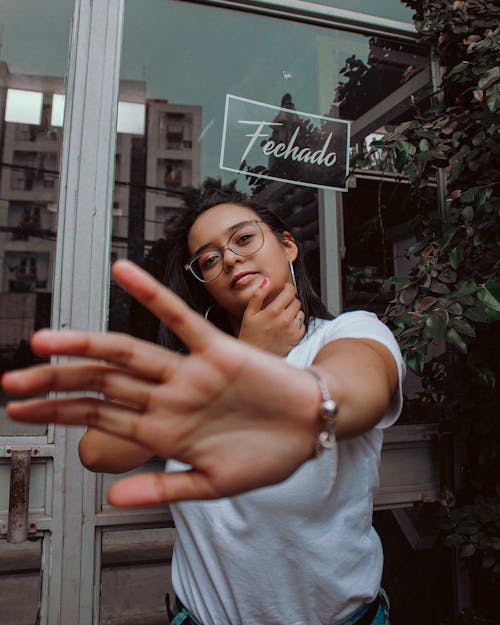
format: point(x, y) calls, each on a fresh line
point(135, 575)
point(32, 68)
point(368, 81)
point(20, 575)
point(398, 10)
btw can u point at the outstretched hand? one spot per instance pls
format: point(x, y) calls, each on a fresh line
point(240, 417)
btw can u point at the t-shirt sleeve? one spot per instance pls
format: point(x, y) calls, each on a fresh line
point(365, 325)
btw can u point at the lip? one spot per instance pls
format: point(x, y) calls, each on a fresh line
point(242, 279)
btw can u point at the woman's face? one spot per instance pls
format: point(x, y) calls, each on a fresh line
point(241, 275)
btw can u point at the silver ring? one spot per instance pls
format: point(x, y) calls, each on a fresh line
point(299, 318)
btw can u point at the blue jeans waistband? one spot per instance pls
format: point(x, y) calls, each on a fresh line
point(381, 617)
point(185, 617)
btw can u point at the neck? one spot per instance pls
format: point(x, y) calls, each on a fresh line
point(235, 324)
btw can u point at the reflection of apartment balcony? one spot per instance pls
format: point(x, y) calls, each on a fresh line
point(173, 180)
point(27, 227)
point(41, 138)
point(179, 146)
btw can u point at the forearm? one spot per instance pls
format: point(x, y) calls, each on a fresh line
point(361, 375)
point(103, 452)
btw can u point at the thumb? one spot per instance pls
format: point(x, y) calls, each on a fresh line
point(149, 489)
point(257, 300)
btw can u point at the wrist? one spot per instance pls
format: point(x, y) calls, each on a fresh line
point(327, 411)
point(326, 440)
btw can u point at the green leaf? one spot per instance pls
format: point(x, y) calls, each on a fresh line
point(424, 145)
point(478, 139)
point(437, 323)
point(415, 361)
point(402, 159)
point(407, 296)
point(399, 280)
point(439, 155)
point(422, 132)
point(439, 287)
point(469, 195)
point(448, 277)
point(416, 248)
point(455, 309)
point(486, 297)
point(425, 156)
point(454, 337)
point(425, 303)
point(458, 68)
point(484, 195)
point(454, 540)
point(456, 256)
point(468, 528)
point(467, 551)
point(468, 213)
point(487, 377)
point(493, 98)
point(405, 146)
point(411, 170)
point(490, 77)
point(477, 314)
point(464, 327)
point(467, 287)
point(447, 238)
point(491, 315)
point(494, 287)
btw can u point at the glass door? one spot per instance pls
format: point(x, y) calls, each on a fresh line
point(196, 81)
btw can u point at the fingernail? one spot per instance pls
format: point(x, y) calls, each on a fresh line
point(264, 282)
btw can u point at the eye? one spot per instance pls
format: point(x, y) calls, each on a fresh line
point(244, 237)
point(208, 261)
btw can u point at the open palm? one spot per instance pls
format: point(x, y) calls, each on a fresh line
point(240, 417)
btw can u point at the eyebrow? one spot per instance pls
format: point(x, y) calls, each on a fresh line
point(227, 232)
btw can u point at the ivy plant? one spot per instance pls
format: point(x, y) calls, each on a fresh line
point(446, 311)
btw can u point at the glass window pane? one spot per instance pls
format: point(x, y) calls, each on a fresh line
point(366, 80)
point(180, 61)
point(33, 59)
point(20, 581)
point(135, 575)
point(397, 10)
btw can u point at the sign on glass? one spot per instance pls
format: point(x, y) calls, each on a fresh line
point(280, 143)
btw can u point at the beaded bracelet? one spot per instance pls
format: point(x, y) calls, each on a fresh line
point(326, 440)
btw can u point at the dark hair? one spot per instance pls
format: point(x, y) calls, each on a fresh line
point(192, 290)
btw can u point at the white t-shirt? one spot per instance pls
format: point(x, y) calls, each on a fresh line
point(291, 553)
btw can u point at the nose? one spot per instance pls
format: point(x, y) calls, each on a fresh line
point(229, 257)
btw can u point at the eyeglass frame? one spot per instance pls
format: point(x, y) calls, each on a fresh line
point(221, 249)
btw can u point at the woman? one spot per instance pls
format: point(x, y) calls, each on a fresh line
point(288, 539)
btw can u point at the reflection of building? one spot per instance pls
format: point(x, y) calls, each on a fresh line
point(28, 199)
point(28, 188)
point(173, 161)
point(151, 167)
point(146, 196)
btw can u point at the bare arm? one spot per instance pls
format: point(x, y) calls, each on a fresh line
point(104, 452)
point(240, 417)
point(362, 376)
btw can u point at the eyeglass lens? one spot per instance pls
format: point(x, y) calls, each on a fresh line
point(245, 241)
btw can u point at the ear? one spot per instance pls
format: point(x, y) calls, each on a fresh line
point(289, 245)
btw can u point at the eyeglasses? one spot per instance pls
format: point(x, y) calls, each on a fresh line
point(246, 240)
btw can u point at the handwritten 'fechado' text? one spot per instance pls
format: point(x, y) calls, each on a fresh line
point(288, 150)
